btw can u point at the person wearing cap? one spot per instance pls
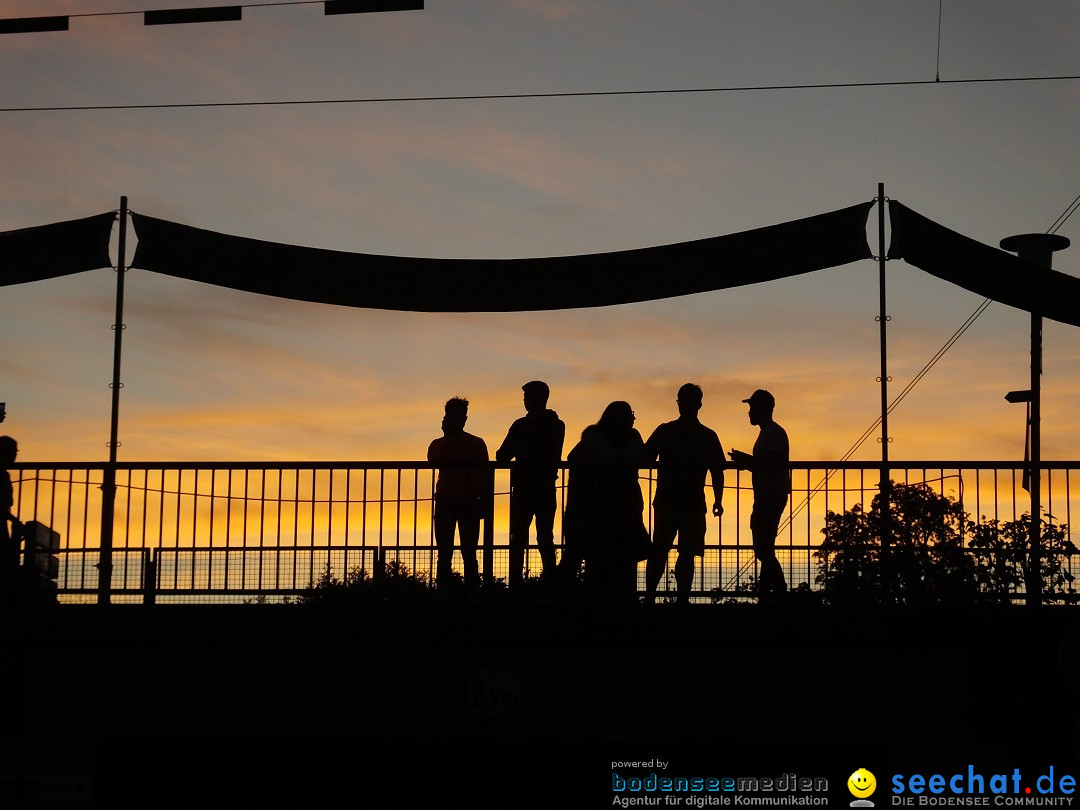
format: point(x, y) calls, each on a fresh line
point(683, 451)
point(535, 442)
point(771, 477)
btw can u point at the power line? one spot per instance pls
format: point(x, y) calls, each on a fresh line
point(1065, 215)
point(513, 96)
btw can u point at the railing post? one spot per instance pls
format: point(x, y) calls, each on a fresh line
point(108, 486)
point(884, 483)
point(488, 564)
point(108, 509)
point(149, 577)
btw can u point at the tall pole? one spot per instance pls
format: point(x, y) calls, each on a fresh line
point(108, 485)
point(1037, 248)
point(883, 319)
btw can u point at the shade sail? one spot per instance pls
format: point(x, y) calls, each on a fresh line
point(502, 285)
point(49, 251)
point(982, 269)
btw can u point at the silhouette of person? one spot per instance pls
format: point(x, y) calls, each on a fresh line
point(459, 492)
point(9, 539)
point(603, 520)
point(683, 450)
point(535, 441)
point(771, 478)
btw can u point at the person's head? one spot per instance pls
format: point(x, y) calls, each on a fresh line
point(689, 399)
point(536, 395)
point(456, 415)
point(8, 450)
point(3, 411)
point(761, 404)
point(617, 418)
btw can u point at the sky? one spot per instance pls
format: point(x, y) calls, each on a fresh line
point(212, 374)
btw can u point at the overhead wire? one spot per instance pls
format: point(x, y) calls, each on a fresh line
point(513, 96)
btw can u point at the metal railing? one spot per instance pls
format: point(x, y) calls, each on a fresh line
point(257, 531)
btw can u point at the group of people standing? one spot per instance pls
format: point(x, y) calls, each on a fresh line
point(603, 520)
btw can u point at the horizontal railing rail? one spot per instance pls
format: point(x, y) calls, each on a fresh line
point(253, 531)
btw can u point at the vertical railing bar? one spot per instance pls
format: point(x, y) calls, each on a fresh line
point(194, 526)
point(415, 518)
point(161, 516)
point(244, 539)
point(1012, 493)
point(262, 523)
point(363, 522)
point(311, 529)
point(296, 524)
point(382, 505)
point(330, 517)
point(348, 517)
point(397, 512)
point(67, 523)
point(1068, 519)
point(431, 529)
point(145, 508)
point(277, 541)
point(127, 534)
point(212, 522)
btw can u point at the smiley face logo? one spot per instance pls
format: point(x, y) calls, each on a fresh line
point(861, 783)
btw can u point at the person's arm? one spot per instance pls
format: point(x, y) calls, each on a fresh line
point(716, 473)
point(741, 459)
point(508, 449)
point(651, 449)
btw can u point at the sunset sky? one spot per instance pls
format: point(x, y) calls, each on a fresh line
point(215, 374)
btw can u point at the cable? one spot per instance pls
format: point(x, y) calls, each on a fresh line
point(513, 96)
point(1065, 215)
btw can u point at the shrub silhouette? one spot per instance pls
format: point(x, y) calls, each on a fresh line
point(934, 552)
point(395, 583)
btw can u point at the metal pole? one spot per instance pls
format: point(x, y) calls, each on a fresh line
point(883, 319)
point(108, 485)
point(1037, 248)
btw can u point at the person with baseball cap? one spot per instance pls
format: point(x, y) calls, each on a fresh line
point(771, 477)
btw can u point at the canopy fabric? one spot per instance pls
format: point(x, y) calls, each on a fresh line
point(60, 249)
point(982, 269)
point(502, 285)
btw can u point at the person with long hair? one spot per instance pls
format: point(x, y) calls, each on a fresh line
point(603, 522)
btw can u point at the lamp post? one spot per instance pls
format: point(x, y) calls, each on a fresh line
point(1037, 248)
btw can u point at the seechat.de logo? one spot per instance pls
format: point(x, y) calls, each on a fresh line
point(862, 785)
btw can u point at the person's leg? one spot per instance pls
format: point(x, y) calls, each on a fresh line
point(520, 520)
point(764, 524)
point(444, 523)
point(664, 531)
point(544, 506)
point(691, 545)
point(469, 534)
point(684, 576)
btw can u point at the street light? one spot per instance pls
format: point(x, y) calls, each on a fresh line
point(1037, 248)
